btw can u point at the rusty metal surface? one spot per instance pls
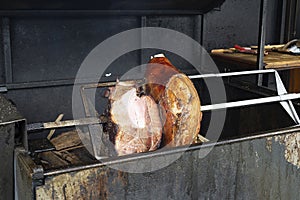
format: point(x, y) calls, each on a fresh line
point(9, 117)
point(27, 175)
point(240, 170)
point(291, 145)
point(98, 183)
point(7, 144)
point(90, 163)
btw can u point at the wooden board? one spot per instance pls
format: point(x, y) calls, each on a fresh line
point(274, 60)
point(66, 140)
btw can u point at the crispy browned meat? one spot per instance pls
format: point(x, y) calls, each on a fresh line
point(176, 94)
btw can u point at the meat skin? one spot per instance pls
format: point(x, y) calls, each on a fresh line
point(176, 94)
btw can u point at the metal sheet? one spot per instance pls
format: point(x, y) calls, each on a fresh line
point(9, 116)
point(200, 6)
point(183, 24)
point(237, 23)
point(45, 49)
point(7, 142)
point(250, 169)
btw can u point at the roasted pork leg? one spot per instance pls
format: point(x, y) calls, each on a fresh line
point(177, 96)
point(136, 120)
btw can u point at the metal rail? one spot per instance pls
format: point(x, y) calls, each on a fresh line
point(228, 74)
point(283, 97)
point(249, 102)
point(67, 123)
point(88, 13)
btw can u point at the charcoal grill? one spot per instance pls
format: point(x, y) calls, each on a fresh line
point(261, 151)
point(255, 157)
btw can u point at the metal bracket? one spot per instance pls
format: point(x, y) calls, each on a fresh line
point(287, 105)
point(283, 97)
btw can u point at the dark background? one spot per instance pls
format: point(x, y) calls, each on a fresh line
point(41, 51)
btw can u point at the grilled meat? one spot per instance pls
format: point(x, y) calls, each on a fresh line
point(136, 119)
point(176, 94)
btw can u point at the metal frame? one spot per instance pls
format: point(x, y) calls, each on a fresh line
point(283, 97)
point(261, 39)
point(95, 122)
point(82, 13)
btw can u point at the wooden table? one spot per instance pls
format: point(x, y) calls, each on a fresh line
point(274, 60)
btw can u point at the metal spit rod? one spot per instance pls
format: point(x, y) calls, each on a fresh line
point(249, 102)
point(66, 123)
point(278, 98)
point(283, 97)
point(233, 74)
